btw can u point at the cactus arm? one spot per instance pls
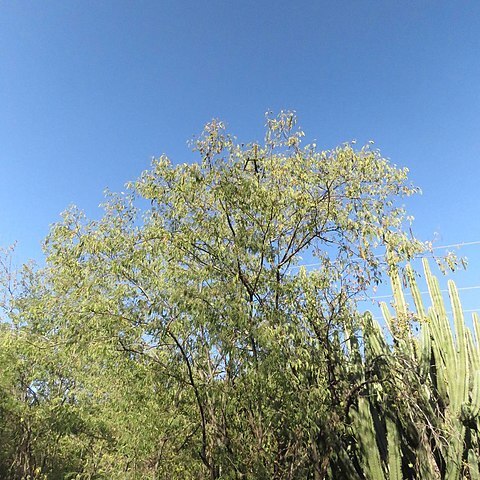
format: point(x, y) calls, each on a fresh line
point(460, 377)
point(476, 328)
point(398, 296)
point(394, 450)
point(365, 430)
point(474, 356)
point(473, 464)
point(417, 297)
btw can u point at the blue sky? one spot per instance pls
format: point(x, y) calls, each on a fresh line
point(90, 91)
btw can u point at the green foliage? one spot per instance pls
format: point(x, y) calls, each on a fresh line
point(183, 341)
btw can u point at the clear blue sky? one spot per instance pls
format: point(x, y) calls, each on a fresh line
point(90, 91)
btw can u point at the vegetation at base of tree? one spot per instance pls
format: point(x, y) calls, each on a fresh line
point(185, 340)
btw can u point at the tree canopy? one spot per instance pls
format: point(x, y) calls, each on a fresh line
point(179, 336)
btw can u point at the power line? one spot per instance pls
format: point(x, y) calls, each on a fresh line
point(379, 297)
point(474, 287)
point(452, 245)
point(463, 244)
point(470, 310)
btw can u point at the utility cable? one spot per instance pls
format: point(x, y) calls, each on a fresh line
point(452, 245)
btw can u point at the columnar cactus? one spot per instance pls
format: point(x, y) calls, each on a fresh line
point(417, 409)
point(449, 362)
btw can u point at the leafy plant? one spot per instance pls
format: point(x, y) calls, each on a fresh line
point(185, 341)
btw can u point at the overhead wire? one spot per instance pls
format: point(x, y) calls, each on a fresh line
point(452, 245)
point(377, 297)
point(439, 247)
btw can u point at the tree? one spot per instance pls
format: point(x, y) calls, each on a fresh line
point(206, 347)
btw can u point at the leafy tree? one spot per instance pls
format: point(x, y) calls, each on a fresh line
point(190, 342)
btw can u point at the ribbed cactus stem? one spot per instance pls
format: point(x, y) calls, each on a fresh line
point(474, 357)
point(459, 390)
point(473, 464)
point(394, 450)
point(365, 430)
point(476, 328)
point(417, 296)
point(398, 296)
point(434, 290)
